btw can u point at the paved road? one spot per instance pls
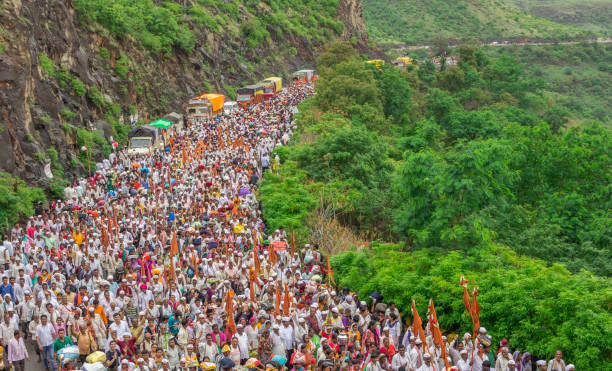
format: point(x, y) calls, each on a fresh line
point(508, 43)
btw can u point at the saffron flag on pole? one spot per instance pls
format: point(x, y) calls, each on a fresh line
point(286, 301)
point(475, 312)
point(329, 270)
point(292, 243)
point(437, 334)
point(277, 302)
point(418, 327)
point(466, 297)
point(174, 245)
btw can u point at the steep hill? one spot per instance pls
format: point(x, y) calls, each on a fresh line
point(593, 15)
point(418, 21)
point(76, 72)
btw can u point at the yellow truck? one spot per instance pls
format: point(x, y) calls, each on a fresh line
point(272, 86)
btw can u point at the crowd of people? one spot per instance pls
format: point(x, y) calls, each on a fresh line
point(163, 262)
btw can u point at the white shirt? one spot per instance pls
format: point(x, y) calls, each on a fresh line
point(398, 361)
point(44, 334)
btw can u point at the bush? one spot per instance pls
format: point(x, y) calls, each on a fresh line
point(78, 87)
point(546, 303)
point(67, 114)
point(121, 67)
point(46, 64)
point(17, 200)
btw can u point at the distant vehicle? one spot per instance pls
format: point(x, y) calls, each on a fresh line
point(303, 76)
point(250, 94)
point(145, 139)
point(272, 86)
point(376, 62)
point(403, 62)
point(205, 106)
point(230, 107)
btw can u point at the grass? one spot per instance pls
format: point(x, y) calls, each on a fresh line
point(577, 76)
point(417, 22)
point(592, 15)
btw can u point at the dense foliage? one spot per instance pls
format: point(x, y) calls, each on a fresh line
point(537, 308)
point(162, 26)
point(459, 164)
point(577, 76)
point(414, 22)
point(17, 200)
point(593, 15)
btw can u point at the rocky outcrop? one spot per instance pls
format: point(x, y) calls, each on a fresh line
point(40, 109)
point(351, 14)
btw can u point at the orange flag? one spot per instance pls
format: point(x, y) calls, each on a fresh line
point(292, 242)
point(256, 261)
point(417, 323)
point(329, 270)
point(475, 312)
point(251, 286)
point(272, 255)
point(104, 237)
point(466, 297)
point(229, 309)
point(286, 301)
point(435, 329)
point(277, 302)
point(173, 246)
point(418, 327)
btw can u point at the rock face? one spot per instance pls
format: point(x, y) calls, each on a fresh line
point(58, 77)
point(350, 12)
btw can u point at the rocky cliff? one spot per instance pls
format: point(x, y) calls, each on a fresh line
point(71, 76)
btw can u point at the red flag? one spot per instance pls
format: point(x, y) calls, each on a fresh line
point(435, 329)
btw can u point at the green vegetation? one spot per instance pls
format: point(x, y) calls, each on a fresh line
point(46, 64)
point(577, 76)
point(163, 26)
point(17, 200)
point(592, 15)
point(414, 22)
point(462, 167)
point(537, 308)
point(67, 114)
point(121, 67)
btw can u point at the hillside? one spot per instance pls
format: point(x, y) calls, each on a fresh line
point(418, 22)
point(466, 169)
point(576, 76)
point(592, 15)
point(77, 72)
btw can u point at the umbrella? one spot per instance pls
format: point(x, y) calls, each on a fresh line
point(244, 191)
point(162, 124)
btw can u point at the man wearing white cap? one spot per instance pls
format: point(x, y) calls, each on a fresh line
point(286, 333)
point(243, 343)
point(278, 344)
point(427, 365)
point(464, 364)
point(416, 353)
